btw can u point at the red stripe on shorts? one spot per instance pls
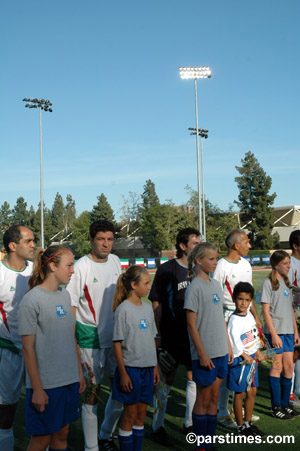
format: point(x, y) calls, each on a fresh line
point(3, 313)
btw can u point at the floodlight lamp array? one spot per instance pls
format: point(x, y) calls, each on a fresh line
point(195, 72)
point(38, 103)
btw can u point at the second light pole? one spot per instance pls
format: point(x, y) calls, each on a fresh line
point(45, 105)
point(194, 73)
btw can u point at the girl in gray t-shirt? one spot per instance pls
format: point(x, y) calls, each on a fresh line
point(134, 347)
point(210, 346)
point(282, 332)
point(54, 373)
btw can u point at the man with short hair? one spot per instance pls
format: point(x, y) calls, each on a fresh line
point(92, 289)
point(231, 269)
point(167, 296)
point(15, 271)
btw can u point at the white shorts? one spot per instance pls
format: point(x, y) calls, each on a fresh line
point(101, 361)
point(11, 376)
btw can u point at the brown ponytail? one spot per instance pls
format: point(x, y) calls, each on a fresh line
point(276, 258)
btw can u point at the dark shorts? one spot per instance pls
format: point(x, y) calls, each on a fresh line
point(205, 377)
point(235, 370)
point(287, 343)
point(142, 382)
point(62, 409)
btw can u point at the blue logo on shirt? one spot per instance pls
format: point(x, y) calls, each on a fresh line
point(61, 313)
point(286, 292)
point(216, 299)
point(143, 324)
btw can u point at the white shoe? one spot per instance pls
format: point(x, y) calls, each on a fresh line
point(227, 421)
point(296, 401)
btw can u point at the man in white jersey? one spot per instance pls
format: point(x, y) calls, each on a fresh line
point(231, 269)
point(92, 289)
point(294, 278)
point(15, 271)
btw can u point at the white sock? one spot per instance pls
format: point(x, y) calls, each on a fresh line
point(293, 380)
point(223, 399)
point(159, 410)
point(90, 427)
point(7, 439)
point(191, 393)
point(113, 411)
point(124, 433)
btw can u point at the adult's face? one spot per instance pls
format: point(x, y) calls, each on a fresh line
point(192, 242)
point(102, 245)
point(24, 250)
point(243, 246)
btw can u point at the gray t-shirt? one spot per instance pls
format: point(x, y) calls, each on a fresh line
point(48, 316)
point(134, 325)
point(206, 299)
point(280, 307)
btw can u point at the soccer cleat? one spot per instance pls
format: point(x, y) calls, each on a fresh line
point(160, 436)
point(278, 412)
point(107, 445)
point(256, 431)
point(227, 421)
point(290, 410)
point(245, 430)
point(187, 429)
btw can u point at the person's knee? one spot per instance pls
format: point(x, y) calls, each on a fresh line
point(7, 414)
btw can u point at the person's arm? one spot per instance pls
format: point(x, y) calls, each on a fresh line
point(157, 309)
point(296, 333)
point(230, 353)
point(255, 314)
point(276, 340)
point(195, 336)
point(125, 381)
point(39, 396)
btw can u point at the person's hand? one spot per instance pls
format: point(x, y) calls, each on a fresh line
point(39, 399)
point(276, 341)
point(259, 356)
point(156, 376)
point(206, 361)
point(125, 382)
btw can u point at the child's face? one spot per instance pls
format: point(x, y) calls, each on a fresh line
point(142, 287)
point(208, 263)
point(283, 266)
point(242, 302)
point(65, 269)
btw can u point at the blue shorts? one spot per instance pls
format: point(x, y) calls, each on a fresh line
point(287, 343)
point(62, 409)
point(142, 382)
point(234, 373)
point(205, 377)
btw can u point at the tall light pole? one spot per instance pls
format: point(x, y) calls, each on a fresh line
point(187, 73)
point(45, 105)
point(203, 133)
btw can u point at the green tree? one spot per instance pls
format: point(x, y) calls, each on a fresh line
point(255, 201)
point(70, 213)
point(36, 225)
point(102, 210)
point(5, 219)
point(149, 196)
point(57, 214)
point(20, 214)
point(80, 234)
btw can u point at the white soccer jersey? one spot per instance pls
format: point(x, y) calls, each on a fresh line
point(92, 288)
point(13, 285)
point(229, 274)
point(294, 273)
point(243, 334)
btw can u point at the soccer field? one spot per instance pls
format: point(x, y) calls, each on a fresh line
point(176, 411)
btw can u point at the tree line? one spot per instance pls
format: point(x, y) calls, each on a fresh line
point(156, 223)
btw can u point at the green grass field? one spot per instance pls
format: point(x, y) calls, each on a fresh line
point(175, 415)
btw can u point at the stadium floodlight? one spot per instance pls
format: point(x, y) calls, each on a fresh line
point(45, 105)
point(195, 72)
point(188, 73)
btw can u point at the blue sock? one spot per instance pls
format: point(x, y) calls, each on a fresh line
point(286, 385)
point(54, 449)
point(199, 427)
point(274, 384)
point(211, 428)
point(126, 442)
point(138, 436)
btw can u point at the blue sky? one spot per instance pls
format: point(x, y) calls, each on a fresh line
point(120, 110)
